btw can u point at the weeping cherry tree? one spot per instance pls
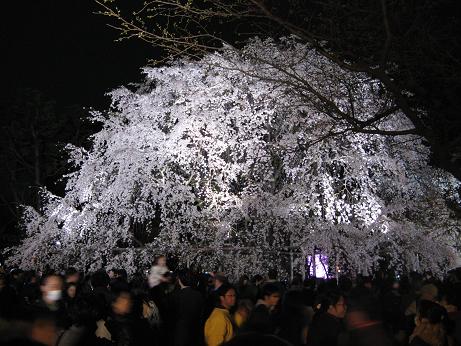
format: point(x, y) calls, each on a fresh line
point(232, 162)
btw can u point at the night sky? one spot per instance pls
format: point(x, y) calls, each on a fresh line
point(67, 53)
point(63, 49)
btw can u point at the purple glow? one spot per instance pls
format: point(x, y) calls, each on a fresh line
point(319, 266)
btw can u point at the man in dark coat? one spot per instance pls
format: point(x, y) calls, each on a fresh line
point(263, 318)
point(188, 308)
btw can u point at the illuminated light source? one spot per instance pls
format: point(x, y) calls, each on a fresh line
point(318, 266)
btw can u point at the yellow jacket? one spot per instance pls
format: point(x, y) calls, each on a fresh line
point(239, 319)
point(218, 327)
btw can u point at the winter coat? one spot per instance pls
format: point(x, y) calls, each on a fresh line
point(219, 327)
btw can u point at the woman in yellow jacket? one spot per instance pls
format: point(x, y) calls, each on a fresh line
point(219, 327)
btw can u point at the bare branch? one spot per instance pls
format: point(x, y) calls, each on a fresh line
point(387, 28)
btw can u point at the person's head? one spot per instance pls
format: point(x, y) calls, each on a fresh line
point(82, 312)
point(227, 295)
point(160, 261)
point(209, 280)
point(219, 279)
point(451, 300)
point(244, 279)
point(271, 294)
point(71, 290)
point(257, 279)
point(100, 279)
point(430, 312)
point(16, 274)
point(51, 288)
point(292, 302)
point(363, 306)
point(244, 307)
point(345, 283)
point(430, 322)
point(122, 303)
point(332, 302)
point(111, 273)
point(368, 282)
point(272, 274)
point(72, 275)
point(429, 292)
point(297, 280)
point(30, 277)
point(120, 274)
point(186, 278)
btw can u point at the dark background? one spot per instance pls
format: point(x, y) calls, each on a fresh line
point(58, 60)
point(65, 50)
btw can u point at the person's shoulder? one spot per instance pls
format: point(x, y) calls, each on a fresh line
point(220, 312)
point(417, 341)
point(189, 292)
point(260, 307)
point(196, 295)
point(217, 316)
point(327, 321)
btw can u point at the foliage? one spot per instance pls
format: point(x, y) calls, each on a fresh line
point(411, 47)
point(219, 162)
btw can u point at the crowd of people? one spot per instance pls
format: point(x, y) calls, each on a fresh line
point(189, 308)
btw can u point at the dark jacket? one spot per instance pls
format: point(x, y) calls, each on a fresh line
point(260, 321)
point(188, 310)
point(324, 331)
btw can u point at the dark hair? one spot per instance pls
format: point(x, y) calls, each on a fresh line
point(99, 279)
point(269, 289)
point(71, 271)
point(327, 299)
point(362, 299)
point(257, 278)
point(119, 285)
point(221, 277)
point(70, 284)
point(48, 275)
point(137, 301)
point(243, 278)
point(187, 277)
point(293, 317)
point(16, 271)
point(138, 283)
point(223, 289)
point(272, 274)
point(115, 295)
point(245, 304)
point(293, 301)
point(82, 312)
point(452, 297)
point(29, 276)
point(345, 283)
point(431, 311)
point(121, 273)
point(297, 280)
